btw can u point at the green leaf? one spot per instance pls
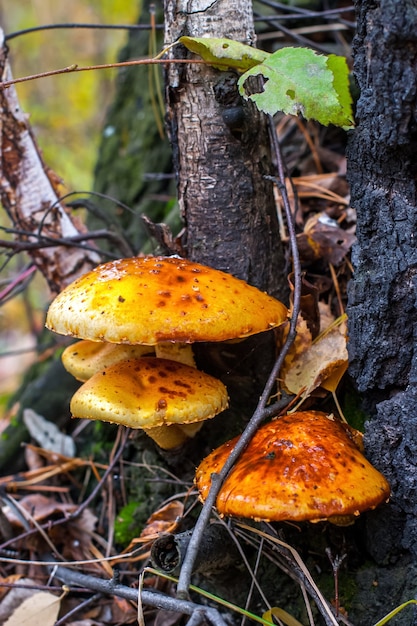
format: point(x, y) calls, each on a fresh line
point(224, 54)
point(300, 82)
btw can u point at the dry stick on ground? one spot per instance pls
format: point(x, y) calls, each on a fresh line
point(150, 598)
point(112, 587)
point(259, 415)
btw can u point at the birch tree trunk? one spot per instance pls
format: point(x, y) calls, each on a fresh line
point(221, 152)
point(29, 195)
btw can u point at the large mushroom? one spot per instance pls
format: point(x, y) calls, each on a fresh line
point(304, 466)
point(164, 302)
point(163, 397)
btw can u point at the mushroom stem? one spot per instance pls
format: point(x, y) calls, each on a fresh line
point(167, 437)
point(175, 351)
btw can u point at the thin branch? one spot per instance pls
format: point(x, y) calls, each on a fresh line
point(36, 29)
point(150, 598)
point(105, 66)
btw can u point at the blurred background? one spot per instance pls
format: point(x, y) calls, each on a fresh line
point(66, 113)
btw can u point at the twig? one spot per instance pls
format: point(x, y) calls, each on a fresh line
point(36, 29)
point(105, 66)
point(150, 598)
point(80, 607)
point(217, 479)
point(22, 277)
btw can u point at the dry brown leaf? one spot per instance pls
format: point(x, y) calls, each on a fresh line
point(309, 303)
point(164, 520)
point(39, 608)
point(38, 507)
point(14, 597)
point(301, 343)
point(324, 239)
point(123, 612)
point(326, 316)
point(326, 357)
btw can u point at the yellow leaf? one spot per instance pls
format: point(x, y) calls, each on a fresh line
point(331, 382)
point(41, 608)
point(285, 617)
point(224, 53)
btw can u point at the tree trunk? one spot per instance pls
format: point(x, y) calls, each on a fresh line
point(221, 150)
point(382, 298)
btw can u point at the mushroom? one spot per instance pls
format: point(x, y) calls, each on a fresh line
point(163, 397)
point(84, 358)
point(166, 302)
point(304, 466)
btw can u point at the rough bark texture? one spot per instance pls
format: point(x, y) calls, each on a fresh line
point(382, 299)
point(222, 153)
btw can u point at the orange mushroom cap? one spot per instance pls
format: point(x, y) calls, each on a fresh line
point(303, 466)
point(84, 358)
point(161, 299)
point(149, 392)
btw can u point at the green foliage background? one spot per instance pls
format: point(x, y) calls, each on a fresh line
point(67, 111)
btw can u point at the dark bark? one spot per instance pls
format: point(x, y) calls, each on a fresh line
point(382, 298)
point(222, 154)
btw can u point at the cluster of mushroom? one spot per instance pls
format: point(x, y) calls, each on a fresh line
point(129, 310)
point(137, 319)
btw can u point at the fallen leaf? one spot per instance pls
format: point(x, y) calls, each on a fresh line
point(8, 580)
point(326, 358)
point(309, 303)
point(14, 597)
point(39, 608)
point(164, 520)
point(38, 507)
point(47, 434)
point(324, 239)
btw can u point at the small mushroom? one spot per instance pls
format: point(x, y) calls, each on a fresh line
point(84, 358)
point(163, 397)
point(161, 301)
point(303, 466)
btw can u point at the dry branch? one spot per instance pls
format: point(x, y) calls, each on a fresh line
point(28, 193)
